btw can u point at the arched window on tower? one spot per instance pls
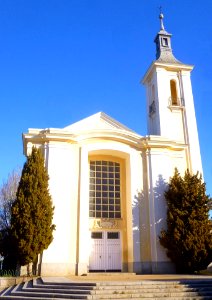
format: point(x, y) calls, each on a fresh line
point(173, 88)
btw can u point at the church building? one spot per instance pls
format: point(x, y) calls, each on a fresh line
point(107, 182)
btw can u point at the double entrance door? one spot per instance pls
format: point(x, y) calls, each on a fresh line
point(105, 251)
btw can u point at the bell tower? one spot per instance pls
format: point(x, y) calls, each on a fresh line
point(170, 104)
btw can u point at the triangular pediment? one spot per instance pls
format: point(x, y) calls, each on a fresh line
point(98, 121)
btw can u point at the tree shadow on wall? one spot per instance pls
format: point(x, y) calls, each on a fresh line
point(160, 204)
point(138, 206)
point(149, 210)
point(143, 204)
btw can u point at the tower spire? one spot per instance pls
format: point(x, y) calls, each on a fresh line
point(163, 44)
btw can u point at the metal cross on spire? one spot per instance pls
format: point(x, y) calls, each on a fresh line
point(161, 16)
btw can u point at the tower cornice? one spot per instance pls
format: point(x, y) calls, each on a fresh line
point(167, 66)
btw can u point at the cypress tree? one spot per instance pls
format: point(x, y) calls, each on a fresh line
point(32, 212)
point(188, 238)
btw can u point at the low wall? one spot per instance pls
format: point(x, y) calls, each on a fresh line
point(8, 281)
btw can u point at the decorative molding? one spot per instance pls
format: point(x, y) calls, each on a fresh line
point(105, 223)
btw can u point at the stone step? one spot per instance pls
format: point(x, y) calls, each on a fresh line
point(22, 291)
point(150, 292)
point(44, 281)
point(156, 283)
point(6, 291)
point(123, 295)
point(146, 288)
point(165, 298)
point(27, 289)
point(142, 287)
point(48, 295)
point(108, 289)
point(121, 274)
point(57, 291)
point(153, 290)
point(143, 290)
point(60, 286)
point(39, 289)
point(14, 297)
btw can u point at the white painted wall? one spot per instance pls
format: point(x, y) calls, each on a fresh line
point(63, 168)
point(190, 123)
point(161, 167)
point(136, 170)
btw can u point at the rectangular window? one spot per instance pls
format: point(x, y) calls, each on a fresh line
point(96, 235)
point(165, 42)
point(113, 235)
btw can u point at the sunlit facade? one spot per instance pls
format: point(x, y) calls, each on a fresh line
point(107, 182)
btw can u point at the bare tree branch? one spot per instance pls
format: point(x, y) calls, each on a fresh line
point(8, 191)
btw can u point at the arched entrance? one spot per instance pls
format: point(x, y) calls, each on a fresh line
point(107, 213)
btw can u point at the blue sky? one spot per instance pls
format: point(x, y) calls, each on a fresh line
point(63, 60)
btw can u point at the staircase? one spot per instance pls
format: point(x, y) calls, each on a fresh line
point(149, 290)
point(39, 289)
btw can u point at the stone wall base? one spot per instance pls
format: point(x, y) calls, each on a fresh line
point(66, 269)
point(58, 269)
point(164, 267)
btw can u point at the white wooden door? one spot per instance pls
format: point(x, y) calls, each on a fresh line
point(113, 250)
point(97, 255)
point(105, 251)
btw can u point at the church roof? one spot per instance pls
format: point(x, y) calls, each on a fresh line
point(98, 121)
point(97, 126)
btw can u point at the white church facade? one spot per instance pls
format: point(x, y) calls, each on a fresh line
point(107, 182)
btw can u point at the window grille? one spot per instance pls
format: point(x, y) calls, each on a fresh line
point(104, 197)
